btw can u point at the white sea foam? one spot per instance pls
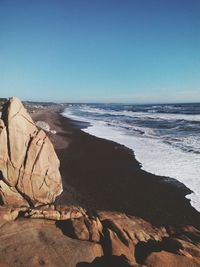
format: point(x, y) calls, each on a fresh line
point(155, 156)
point(153, 115)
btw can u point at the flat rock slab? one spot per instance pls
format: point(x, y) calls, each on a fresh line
point(33, 243)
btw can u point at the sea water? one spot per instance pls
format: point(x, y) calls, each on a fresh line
point(165, 138)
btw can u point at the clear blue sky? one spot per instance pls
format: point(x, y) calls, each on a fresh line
point(100, 50)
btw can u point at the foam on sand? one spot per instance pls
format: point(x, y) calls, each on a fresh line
point(158, 158)
point(155, 156)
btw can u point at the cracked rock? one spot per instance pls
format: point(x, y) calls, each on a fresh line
point(29, 167)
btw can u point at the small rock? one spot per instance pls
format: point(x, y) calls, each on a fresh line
point(53, 131)
point(43, 125)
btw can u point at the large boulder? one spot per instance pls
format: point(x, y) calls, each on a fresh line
point(29, 167)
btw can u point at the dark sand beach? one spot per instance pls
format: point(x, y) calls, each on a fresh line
point(103, 175)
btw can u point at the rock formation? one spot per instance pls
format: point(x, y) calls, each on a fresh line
point(69, 236)
point(29, 167)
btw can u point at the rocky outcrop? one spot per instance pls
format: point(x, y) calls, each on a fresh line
point(33, 243)
point(69, 236)
point(29, 167)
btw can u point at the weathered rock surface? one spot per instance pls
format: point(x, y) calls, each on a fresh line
point(166, 259)
point(69, 236)
point(29, 167)
point(31, 243)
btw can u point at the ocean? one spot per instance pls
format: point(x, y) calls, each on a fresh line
point(165, 137)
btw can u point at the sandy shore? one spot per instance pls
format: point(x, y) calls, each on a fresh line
point(103, 175)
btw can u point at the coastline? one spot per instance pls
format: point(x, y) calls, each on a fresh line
point(164, 141)
point(103, 175)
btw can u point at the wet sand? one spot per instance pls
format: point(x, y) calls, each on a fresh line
point(103, 175)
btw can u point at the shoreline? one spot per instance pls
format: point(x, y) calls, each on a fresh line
point(167, 153)
point(103, 175)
